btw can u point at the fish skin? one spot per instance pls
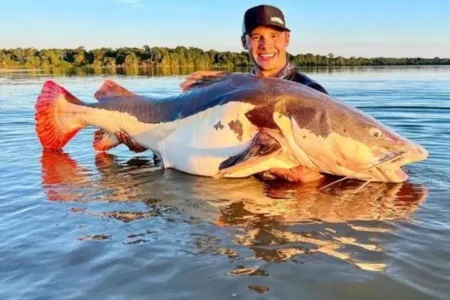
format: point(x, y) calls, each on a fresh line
point(324, 134)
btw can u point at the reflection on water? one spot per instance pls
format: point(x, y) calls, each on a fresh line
point(89, 71)
point(274, 221)
point(110, 225)
point(176, 71)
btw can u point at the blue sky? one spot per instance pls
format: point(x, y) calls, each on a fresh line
point(396, 28)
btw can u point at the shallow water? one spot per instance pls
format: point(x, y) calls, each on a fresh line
point(81, 225)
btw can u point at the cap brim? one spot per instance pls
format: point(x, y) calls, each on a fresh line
point(281, 28)
point(274, 26)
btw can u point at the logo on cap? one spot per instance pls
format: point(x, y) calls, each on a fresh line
point(277, 19)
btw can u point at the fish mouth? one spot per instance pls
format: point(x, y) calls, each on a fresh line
point(387, 174)
point(393, 172)
point(416, 154)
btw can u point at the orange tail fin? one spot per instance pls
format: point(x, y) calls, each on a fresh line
point(55, 123)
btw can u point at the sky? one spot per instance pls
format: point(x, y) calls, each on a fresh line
point(387, 28)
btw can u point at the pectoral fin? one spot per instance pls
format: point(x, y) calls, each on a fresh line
point(266, 155)
point(258, 157)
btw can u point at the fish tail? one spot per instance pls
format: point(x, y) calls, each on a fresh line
point(56, 115)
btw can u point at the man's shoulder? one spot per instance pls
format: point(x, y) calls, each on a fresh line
point(299, 77)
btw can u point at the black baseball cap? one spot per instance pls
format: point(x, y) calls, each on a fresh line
point(263, 15)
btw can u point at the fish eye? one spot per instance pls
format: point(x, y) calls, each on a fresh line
point(375, 132)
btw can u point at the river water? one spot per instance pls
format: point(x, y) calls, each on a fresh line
point(81, 225)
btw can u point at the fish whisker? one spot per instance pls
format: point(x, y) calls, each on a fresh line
point(362, 186)
point(389, 159)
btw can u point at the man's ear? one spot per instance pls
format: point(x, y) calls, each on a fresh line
point(243, 42)
point(288, 37)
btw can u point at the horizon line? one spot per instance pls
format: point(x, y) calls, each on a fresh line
point(212, 49)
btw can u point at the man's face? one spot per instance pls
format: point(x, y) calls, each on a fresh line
point(267, 48)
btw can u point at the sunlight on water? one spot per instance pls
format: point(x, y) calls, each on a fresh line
point(76, 223)
point(256, 209)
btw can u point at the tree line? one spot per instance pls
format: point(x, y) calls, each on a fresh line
point(178, 57)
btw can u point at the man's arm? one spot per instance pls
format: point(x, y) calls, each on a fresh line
point(318, 87)
point(303, 79)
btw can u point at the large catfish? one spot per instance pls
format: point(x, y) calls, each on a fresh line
point(235, 125)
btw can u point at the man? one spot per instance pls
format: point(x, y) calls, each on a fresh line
point(266, 38)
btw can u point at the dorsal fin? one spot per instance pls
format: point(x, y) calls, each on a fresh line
point(202, 78)
point(111, 89)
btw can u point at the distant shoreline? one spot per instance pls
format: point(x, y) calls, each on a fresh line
point(184, 57)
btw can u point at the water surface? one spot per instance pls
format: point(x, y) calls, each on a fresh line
point(75, 224)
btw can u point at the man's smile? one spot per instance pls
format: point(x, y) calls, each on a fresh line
point(266, 56)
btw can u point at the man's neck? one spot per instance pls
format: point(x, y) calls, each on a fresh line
point(271, 73)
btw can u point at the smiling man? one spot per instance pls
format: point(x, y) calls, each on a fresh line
point(266, 38)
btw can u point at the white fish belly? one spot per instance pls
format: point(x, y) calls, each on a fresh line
point(200, 143)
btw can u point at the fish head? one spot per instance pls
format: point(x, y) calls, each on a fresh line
point(332, 137)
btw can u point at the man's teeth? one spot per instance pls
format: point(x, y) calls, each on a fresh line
point(267, 55)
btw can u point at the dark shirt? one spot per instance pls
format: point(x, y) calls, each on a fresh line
point(303, 79)
point(291, 72)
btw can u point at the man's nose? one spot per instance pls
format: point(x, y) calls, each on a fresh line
point(264, 43)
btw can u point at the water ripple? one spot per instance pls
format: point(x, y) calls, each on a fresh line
point(116, 226)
